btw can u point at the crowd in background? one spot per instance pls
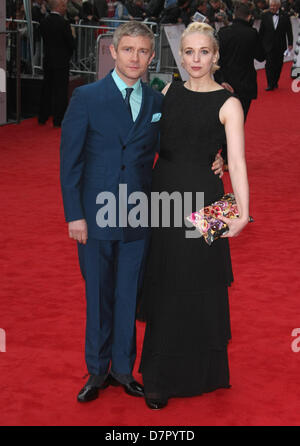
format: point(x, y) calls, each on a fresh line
point(217, 13)
point(161, 11)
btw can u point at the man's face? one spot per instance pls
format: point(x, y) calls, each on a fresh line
point(132, 57)
point(62, 6)
point(215, 4)
point(274, 7)
point(203, 8)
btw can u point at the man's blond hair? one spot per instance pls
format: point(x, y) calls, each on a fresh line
point(133, 29)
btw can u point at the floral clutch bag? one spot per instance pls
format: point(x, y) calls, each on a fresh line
point(207, 222)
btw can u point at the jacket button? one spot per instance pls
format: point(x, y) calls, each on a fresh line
point(123, 167)
point(124, 147)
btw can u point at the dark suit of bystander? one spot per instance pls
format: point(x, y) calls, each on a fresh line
point(274, 38)
point(58, 48)
point(239, 46)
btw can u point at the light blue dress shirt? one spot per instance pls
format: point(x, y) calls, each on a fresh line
point(135, 97)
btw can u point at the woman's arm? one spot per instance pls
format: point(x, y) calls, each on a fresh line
point(164, 91)
point(232, 116)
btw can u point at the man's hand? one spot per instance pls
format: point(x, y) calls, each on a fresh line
point(227, 87)
point(218, 165)
point(78, 231)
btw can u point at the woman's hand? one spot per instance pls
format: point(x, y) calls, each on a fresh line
point(235, 225)
point(217, 165)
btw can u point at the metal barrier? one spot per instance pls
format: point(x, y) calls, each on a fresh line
point(22, 27)
point(84, 59)
point(103, 58)
point(295, 70)
point(114, 23)
point(13, 72)
point(166, 61)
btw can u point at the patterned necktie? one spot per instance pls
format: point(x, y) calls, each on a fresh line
point(128, 93)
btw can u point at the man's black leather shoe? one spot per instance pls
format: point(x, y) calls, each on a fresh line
point(88, 393)
point(133, 388)
point(156, 404)
point(269, 88)
point(91, 390)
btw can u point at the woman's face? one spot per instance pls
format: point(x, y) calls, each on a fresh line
point(198, 54)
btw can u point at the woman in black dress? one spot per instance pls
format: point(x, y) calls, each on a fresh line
point(185, 291)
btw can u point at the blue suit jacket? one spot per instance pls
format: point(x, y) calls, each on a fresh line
point(101, 147)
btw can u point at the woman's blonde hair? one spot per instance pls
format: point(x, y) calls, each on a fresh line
point(202, 28)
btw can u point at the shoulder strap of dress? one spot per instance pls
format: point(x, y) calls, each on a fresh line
point(174, 85)
point(226, 95)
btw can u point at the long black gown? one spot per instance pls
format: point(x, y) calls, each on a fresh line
point(184, 297)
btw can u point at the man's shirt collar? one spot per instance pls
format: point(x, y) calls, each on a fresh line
point(122, 85)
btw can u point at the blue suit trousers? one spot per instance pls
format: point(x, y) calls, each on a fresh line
point(112, 271)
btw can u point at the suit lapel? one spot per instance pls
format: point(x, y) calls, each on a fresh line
point(117, 109)
point(145, 113)
point(272, 21)
point(279, 20)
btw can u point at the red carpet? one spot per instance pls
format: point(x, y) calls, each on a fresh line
point(42, 306)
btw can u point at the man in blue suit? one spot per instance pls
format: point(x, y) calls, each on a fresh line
point(110, 135)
